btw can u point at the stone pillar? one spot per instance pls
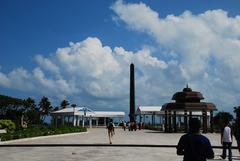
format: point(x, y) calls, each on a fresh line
point(78, 120)
point(153, 119)
point(204, 117)
point(190, 115)
point(169, 121)
point(83, 123)
point(96, 121)
point(179, 121)
point(132, 94)
point(166, 121)
point(105, 121)
point(74, 120)
point(90, 122)
point(174, 121)
point(68, 119)
point(211, 121)
point(63, 119)
point(185, 121)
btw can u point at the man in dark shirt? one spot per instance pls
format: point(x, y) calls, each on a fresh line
point(193, 145)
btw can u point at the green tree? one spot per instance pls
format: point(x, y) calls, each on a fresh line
point(236, 125)
point(56, 108)
point(31, 113)
point(64, 104)
point(45, 107)
point(11, 109)
point(220, 118)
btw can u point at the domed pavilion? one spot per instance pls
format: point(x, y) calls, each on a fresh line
point(187, 105)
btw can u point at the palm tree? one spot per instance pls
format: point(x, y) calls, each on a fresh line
point(28, 106)
point(64, 104)
point(45, 107)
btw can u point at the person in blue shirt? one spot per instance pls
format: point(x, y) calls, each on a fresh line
point(194, 146)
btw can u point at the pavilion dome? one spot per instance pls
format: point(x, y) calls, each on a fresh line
point(187, 95)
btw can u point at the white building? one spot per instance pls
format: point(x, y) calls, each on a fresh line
point(154, 115)
point(83, 116)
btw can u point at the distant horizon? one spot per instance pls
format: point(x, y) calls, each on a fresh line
point(81, 51)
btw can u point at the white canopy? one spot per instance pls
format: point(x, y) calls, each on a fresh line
point(87, 112)
point(150, 110)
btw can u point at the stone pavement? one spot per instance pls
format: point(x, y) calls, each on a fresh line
point(99, 135)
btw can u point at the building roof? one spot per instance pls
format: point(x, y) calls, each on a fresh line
point(109, 114)
point(149, 110)
point(87, 112)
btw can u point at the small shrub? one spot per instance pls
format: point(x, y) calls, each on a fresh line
point(42, 131)
point(8, 125)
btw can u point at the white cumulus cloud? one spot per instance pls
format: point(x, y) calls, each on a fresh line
point(205, 47)
point(202, 50)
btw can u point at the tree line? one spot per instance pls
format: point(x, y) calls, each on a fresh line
point(26, 112)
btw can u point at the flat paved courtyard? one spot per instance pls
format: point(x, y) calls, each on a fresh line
point(99, 135)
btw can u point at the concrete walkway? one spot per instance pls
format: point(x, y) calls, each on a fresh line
point(99, 135)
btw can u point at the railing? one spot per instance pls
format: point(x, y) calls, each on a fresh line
point(99, 145)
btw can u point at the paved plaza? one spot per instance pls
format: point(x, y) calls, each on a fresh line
point(99, 136)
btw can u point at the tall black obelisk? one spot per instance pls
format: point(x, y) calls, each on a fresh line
point(132, 94)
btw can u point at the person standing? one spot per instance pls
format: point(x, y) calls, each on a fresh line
point(226, 140)
point(124, 125)
point(194, 146)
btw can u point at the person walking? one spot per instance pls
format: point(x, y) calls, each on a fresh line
point(111, 131)
point(194, 146)
point(226, 140)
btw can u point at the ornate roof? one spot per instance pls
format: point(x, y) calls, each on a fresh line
point(187, 95)
point(188, 99)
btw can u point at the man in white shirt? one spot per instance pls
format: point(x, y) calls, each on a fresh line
point(226, 140)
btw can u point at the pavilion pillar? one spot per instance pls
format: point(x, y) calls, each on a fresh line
point(140, 117)
point(204, 117)
point(190, 115)
point(90, 122)
point(169, 121)
point(97, 121)
point(68, 119)
point(83, 123)
point(78, 120)
point(63, 119)
point(179, 121)
point(165, 121)
point(160, 119)
point(185, 121)
point(153, 119)
point(211, 121)
point(174, 121)
point(74, 120)
point(144, 119)
point(105, 121)
point(56, 121)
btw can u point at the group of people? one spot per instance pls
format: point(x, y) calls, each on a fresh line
point(193, 146)
point(133, 126)
point(197, 147)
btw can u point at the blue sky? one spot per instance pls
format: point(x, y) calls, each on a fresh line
point(171, 43)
